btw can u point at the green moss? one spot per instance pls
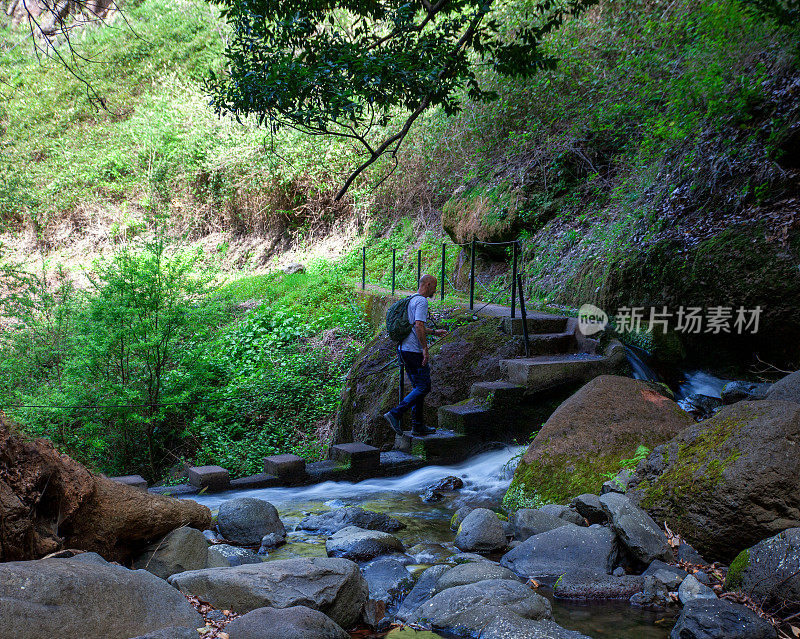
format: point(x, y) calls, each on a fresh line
point(734, 578)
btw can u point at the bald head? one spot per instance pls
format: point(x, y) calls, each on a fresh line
point(427, 285)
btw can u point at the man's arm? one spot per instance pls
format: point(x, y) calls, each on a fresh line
point(423, 331)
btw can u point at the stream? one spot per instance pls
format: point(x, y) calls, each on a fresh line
point(486, 477)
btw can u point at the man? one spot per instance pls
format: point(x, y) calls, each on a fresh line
point(413, 351)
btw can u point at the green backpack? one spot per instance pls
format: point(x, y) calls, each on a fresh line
point(397, 324)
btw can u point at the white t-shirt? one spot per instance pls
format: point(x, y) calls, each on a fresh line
point(417, 312)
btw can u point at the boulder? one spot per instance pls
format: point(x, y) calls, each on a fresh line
point(550, 554)
point(637, 531)
point(447, 483)
point(225, 556)
point(49, 502)
point(739, 391)
point(786, 389)
point(589, 507)
point(666, 573)
point(481, 531)
point(422, 591)
point(470, 608)
point(246, 520)
point(590, 434)
point(720, 619)
point(471, 573)
point(362, 545)
point(528, 522)
point(691, 589)
point(429, 553)
point(688, 554)
point(509, 625)
point(334, 520)
point(295, 622)
point(387, 579)
point(567, 513)
point(654, 595)
point(172, 632)
point(458, 517)
point(728, 482)
point(65, 598)
point(769, 572)
point(332, 586)
point(701, 406)
point(182, 549)
point(588, 586)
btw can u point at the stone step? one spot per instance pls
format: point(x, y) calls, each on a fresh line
point(396, 462)
point(442, 447)
point(327, 470)
point(545, 371)
point(473, 417)
point(537, 323)
point(499, 394)
point(552, 343)
point(178, 490)
point(260, 480)
point(134, 481)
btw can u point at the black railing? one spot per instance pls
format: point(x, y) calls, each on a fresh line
point(516, 276)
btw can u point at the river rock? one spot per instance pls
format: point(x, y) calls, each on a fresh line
point(728, 482)
point(690, 555)
point(702, 406)
point(182, 549)
point(172, 632)
point(429, 553)
point(295, 622)
point(431, 496)
point(481, 531)
point(447, 483)
point(596, 586)
point(590, 434)
point(245, 521)
point(589, 507)
point(786, 389)
point(567, 549)
point(387, 579)
point(739, 391)
point(770, 571)
point(362, 545)
point(654, 595)
point(691, 589)
point(720, 619)
point(471, 573)
point(458, 517)
point(225, 556)
point(637, 531)
point(49, 502)
point(527, 522)
point(567, 513)
point(64, 598)
point(670, 576)
point(333, 586)
point(470, 608)
point(509, 625)
point(334, 520)
point(618, 484)
point(422, 591)
point(467, 557)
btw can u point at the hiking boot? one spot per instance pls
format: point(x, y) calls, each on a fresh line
point(422, 431)
point(393, 422)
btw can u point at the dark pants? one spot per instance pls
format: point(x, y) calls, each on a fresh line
point(420, 377)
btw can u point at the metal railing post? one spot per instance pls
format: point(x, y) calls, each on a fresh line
point(443, 258)
point(419, 265)
point(394, 265)
point(514, 283)
point(524, 315)
point(472, 277)
point(363, 268)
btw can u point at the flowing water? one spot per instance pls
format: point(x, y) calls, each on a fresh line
point(486, 477)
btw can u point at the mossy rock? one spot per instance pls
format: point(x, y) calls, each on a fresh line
point(587, 438)
point(728, 482)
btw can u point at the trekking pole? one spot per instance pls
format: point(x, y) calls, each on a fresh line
point(394, 261)
point(443, 256)
point(472, 277)
point(514, 282)
point(363, 268)
point(524, 315)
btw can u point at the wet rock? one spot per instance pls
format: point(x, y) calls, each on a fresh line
point(481, 531)
point(472, 607)
point(637, 531)
point(730, 481)
point(64, 598)
point(619, 484)
point(589, 507)
point(225, 556)
point(333, 521)
point(691, 589)
point(387, 579)
point(332, 586)
point(702, 406)
point(296, 622)
point(213, 537)
point(270, 542)
point(458, 517)
point(431, 496)
point(467, 557)
point(567, 549)
point(422, 591)
point(448, 483)
point(471, 573)
point(528, 522)
point(509, 625)
point(182, 549)
point(690, 555)
point(739, 391)
point(720, 619)
point(566, 513)
point(362, 545)
point(677, 573)
point(654, 595)
point(786, 389)
point(171, 633)
point(245, 521)
point(429, 553)
point(597, 586)
point(770, 571)
point(669, 579)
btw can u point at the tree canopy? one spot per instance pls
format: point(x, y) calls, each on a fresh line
point(367, 69)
